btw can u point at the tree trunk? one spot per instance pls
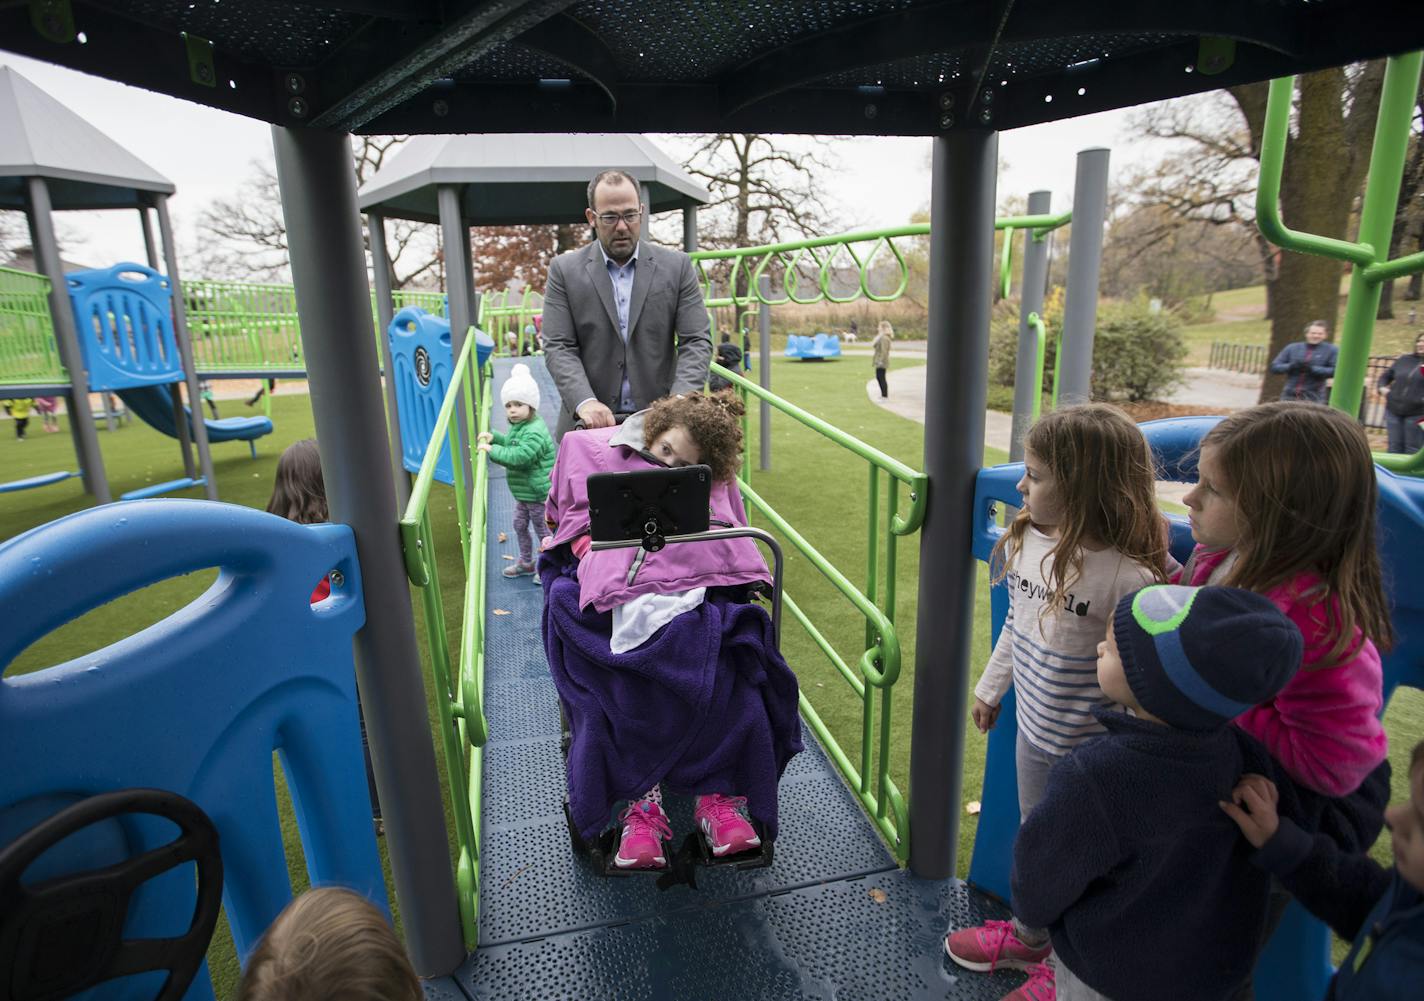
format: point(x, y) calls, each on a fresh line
point(1325, 165)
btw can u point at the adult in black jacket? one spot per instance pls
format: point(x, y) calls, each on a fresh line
point(1403, 385)
point(728, 356)
point(1307, 364)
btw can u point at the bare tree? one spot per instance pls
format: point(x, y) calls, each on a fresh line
point(1327, 152)
point(245, 236)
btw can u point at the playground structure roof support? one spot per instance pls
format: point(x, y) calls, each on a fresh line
point(460, 181)
point(51, 159)
point(318, 192)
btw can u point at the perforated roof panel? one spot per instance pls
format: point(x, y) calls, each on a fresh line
point(869, 67)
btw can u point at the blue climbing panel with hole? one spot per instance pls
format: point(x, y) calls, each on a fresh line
point(124, 318)
point(1296, 962)
point(196, 704)
point(422, 363)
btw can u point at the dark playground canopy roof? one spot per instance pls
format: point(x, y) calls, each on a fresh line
point(869, 67)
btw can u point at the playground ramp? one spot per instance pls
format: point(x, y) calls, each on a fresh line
point(833, 917)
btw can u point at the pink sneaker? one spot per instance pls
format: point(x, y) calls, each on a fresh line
point(645, 830)
point(1038, 987)
point(724, 822)
point(993, 945)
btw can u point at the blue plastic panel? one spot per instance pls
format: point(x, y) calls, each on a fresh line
point(125, 325)
point(422, 363)
point(196, 703)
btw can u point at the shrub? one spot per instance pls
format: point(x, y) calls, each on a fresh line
point(1137, 354)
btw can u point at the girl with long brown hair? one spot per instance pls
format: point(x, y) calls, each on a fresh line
point(1088, 533)
point(1285, 506)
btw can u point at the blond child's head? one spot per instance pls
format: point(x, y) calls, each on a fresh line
point(329, 944)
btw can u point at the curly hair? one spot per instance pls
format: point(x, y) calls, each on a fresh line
point(299, 492)
point(712, 421)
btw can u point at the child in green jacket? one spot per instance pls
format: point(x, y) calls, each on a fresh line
point(527, 451)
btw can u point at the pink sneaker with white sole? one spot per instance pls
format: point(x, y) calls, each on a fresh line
point(645, 832)
point(723, 821)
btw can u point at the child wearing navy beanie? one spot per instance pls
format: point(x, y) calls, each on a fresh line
point(1146, 887)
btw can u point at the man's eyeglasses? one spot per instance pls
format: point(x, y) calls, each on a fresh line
point(611, 219)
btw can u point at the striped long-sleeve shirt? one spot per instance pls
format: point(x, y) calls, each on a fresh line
point(1051, 657)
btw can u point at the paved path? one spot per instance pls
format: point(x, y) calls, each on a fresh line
point(1212, 390)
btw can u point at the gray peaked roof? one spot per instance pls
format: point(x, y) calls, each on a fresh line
point(40, 137)
point(524, 178)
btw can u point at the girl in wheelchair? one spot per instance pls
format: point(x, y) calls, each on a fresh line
point(668, 671)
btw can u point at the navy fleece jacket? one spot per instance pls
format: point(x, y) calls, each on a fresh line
point(1146, 886)
point(1360, 900)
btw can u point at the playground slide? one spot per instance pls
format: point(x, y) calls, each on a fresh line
point(154, 405)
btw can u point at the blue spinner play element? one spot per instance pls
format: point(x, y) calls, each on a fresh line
point(422, 362)
point(817, 347)
point(195, 704)
point(125, 323)
point(1296, 962)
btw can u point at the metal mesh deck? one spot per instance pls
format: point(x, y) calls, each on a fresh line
point(833, 917)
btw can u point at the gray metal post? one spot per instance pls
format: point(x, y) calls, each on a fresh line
point(81, 418)
point(960, 277)
point(1085, 258)
point(1035, 279)
point(689, 229)
point(385, 311)
point(318, 190)
point(180, 421)
point(459, 288)
point(148, 245)
point(764, 364)
point(185, 353)
point(645, 199)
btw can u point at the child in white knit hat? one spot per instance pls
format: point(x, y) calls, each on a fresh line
point(527, 451)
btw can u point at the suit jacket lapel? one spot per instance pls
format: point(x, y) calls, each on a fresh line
point(598, 274)
point(642, 281)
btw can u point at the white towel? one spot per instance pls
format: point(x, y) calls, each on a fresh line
point(636, 620)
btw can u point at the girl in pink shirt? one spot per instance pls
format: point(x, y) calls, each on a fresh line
point(1285, 506)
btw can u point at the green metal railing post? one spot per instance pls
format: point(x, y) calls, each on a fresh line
point(1041, 333)
point(1370, 255)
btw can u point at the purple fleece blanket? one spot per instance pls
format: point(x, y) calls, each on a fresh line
point(706, 705)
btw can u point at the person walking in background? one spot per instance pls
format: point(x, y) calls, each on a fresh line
point(881, 358)
point(1307, 364)
point(1403, 387)
point(20, 410)
point(46, 407)
point(624, 320)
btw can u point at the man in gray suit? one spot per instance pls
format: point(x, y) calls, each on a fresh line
point(611, 311)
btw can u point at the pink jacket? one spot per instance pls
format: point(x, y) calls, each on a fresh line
point(1324, 727)
point(604, 577)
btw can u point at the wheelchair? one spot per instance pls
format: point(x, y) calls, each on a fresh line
point(652, 509)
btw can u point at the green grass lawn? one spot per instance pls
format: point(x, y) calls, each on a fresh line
point(1240, 319)
point(820, 488)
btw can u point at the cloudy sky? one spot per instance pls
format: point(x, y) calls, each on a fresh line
point(208, 153)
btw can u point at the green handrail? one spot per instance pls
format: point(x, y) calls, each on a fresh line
point(1370, 254)
point(749, 264)
point(879, 665)
point(459, 693)
point(1040, 355)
